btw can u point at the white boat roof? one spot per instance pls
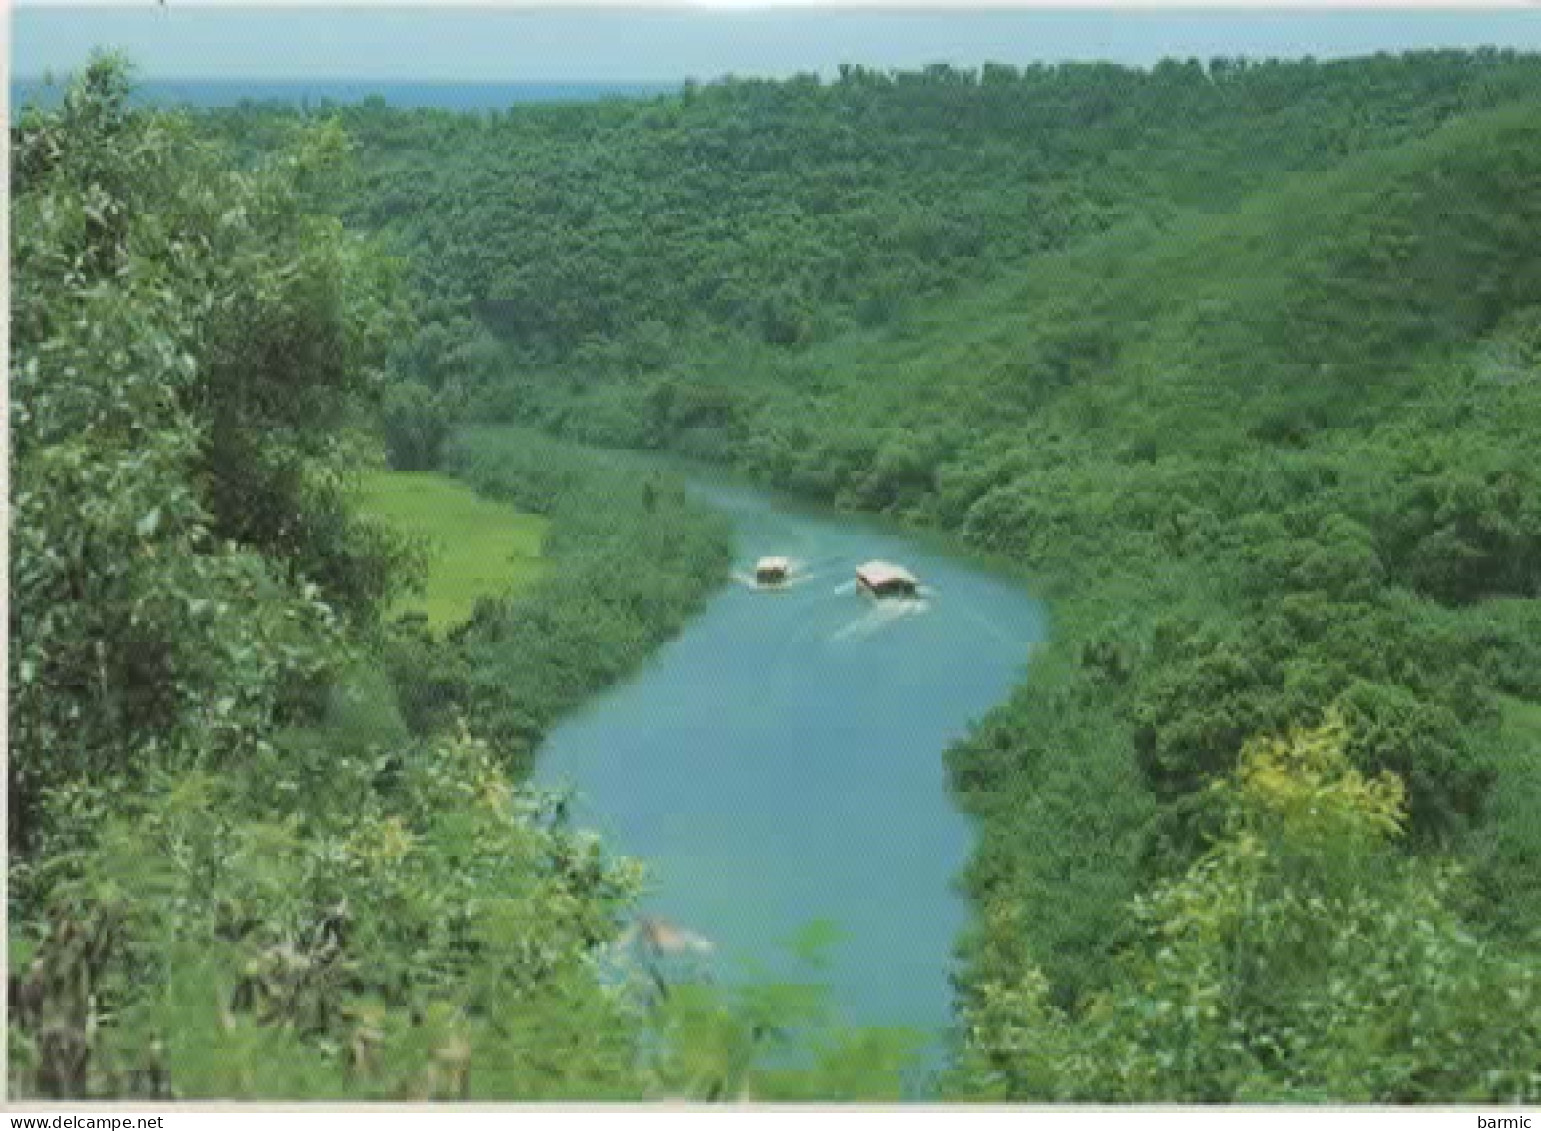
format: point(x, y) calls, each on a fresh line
point(882, 573)
point(774, 563)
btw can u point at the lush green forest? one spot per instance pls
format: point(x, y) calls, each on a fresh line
point(264, 840)
point(1238, 363)
point(599, 236)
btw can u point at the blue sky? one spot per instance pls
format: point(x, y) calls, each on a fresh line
point(435, 43)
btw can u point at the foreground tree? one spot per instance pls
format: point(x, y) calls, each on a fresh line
point(189, 347)
point(1301, 959)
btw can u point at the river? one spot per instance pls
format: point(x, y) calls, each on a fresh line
point(779, 765)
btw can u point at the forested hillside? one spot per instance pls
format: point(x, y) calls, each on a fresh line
point(1238, 364)
point(789, 211)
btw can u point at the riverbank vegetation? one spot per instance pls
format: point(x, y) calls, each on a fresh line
point(629, 559)
point(1238, 362)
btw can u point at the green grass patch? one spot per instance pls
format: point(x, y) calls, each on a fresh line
point(477, 547)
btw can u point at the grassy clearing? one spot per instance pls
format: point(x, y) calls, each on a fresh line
point(478, 547)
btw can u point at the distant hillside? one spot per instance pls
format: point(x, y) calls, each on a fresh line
point(605, 235)
point(317, 94)
point(1313, 305)
point(1308, 307)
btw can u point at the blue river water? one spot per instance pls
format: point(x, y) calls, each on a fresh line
point(779, 765)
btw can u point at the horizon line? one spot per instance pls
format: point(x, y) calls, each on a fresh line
point(974, 65)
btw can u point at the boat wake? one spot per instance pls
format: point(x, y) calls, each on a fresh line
point(748, 581)
point(876, 619)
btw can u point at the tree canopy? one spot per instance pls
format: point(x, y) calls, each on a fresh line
point(1237, 362)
